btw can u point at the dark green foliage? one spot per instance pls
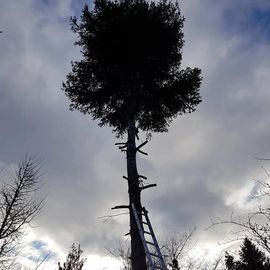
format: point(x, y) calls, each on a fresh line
point(229, 261)
point(132, 52)
point(251, 258)
point(175, 264)
point(74, 260)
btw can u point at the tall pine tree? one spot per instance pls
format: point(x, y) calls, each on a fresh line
point(74, 260)
point(250, 258)
point(130, 78)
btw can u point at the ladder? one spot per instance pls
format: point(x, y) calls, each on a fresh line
point(154, 257)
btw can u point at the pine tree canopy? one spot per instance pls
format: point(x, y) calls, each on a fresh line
point(131, 65)
point(251, 258)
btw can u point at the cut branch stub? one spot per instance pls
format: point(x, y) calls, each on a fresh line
point(141, 145)
point(144, 153)
point(148, 186)
point(120, 143)
point(121, 146)
point(120, 207)
point(136, 134)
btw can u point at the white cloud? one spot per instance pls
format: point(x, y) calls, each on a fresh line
point(203, 166)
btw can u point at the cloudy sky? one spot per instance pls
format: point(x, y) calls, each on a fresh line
point(203, 166)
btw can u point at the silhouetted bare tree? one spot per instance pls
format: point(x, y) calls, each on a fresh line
point(122, 253)
point(18, 208)
point(176, 248)
point(256, 224)
point(130, 78)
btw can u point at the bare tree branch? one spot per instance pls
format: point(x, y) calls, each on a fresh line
point(18, 208)
point(255, 225)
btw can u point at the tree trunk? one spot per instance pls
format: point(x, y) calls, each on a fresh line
point(138, 261)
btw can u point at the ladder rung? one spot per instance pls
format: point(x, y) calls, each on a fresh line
point(143, 222)
point(153, 254)
point(150, 243)
point(140, 221)
point(140, 213)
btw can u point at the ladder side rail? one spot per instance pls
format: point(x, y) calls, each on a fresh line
point(154, 239)
point(140, 228)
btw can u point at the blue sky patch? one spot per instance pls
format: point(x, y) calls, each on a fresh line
point(43, 251)
point(252, 20)
point(37, 244)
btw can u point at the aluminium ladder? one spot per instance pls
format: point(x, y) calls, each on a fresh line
point(154, 257)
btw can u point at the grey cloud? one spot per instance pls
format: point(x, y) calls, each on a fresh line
point(203, 158)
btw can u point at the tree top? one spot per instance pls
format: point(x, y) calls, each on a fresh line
point(131, 65)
